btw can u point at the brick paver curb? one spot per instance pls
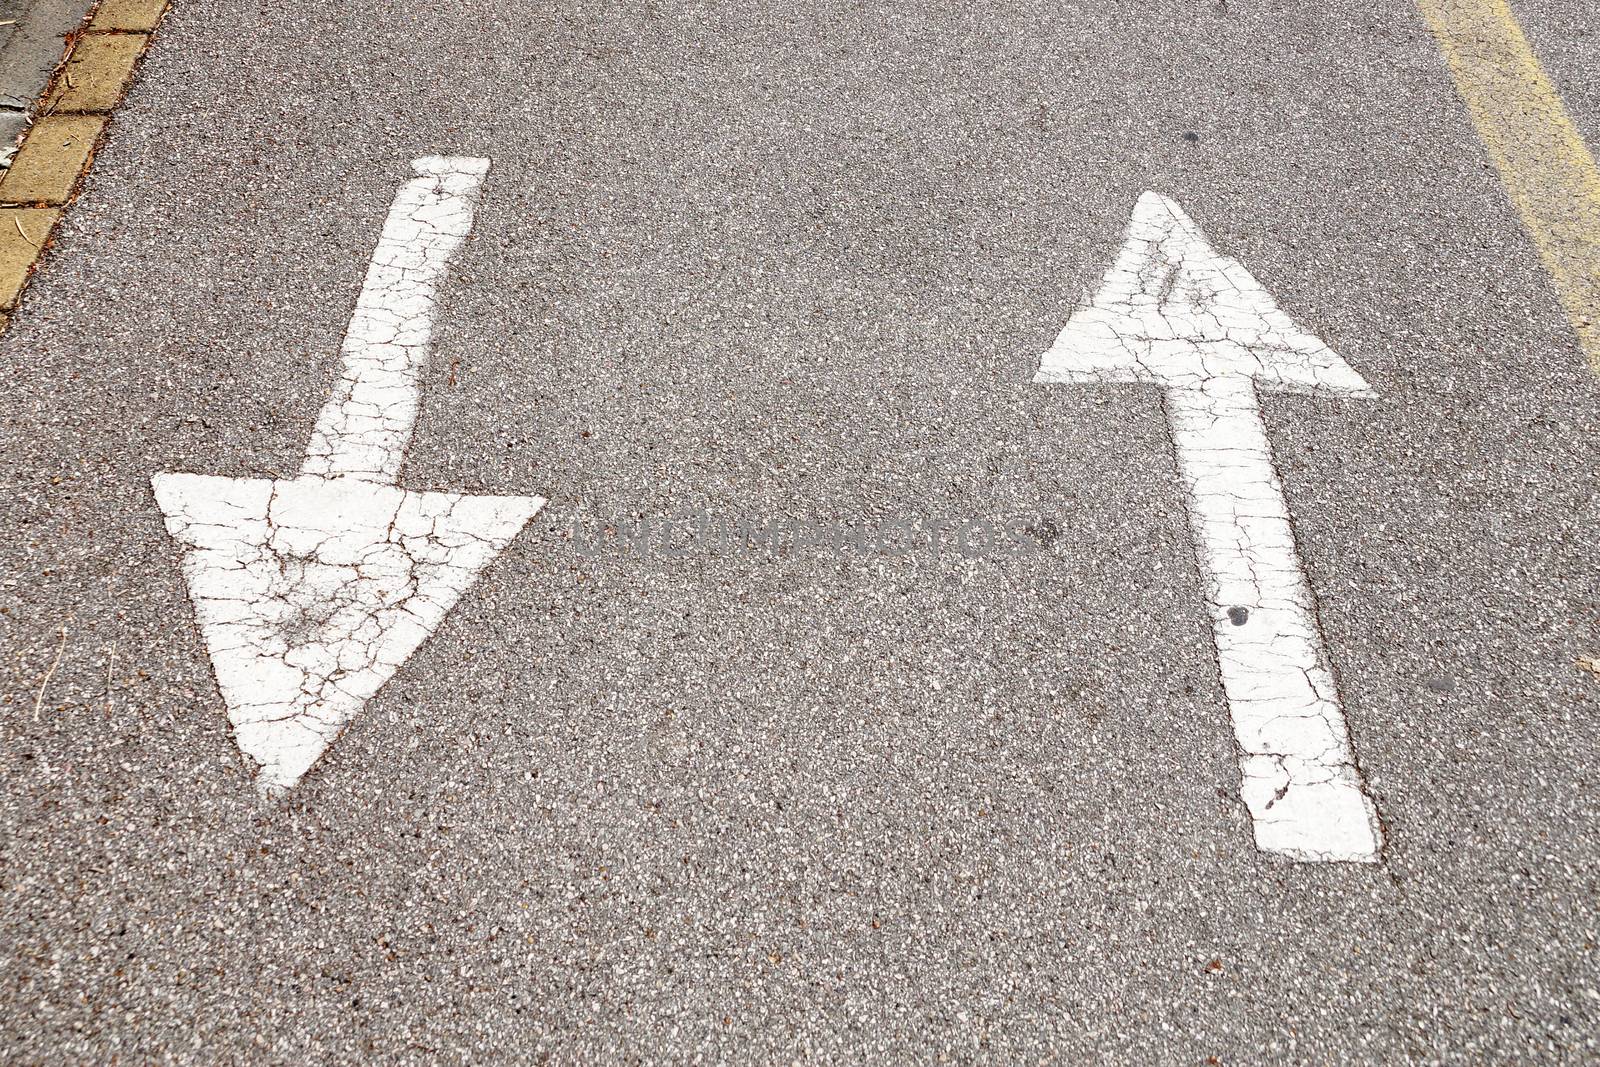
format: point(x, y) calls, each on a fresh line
point(59, 148)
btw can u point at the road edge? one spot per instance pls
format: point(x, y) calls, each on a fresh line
point(74, 112)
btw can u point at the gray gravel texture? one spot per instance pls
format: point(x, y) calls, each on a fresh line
point(800, 259)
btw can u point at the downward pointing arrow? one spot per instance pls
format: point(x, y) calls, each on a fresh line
point(311, 592)
point(1173, 312)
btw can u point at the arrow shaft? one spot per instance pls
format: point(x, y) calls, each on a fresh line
point(364, 429)
point(1299, 777)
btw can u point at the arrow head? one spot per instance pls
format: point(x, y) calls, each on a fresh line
point(1175, 312)
point(311, 592)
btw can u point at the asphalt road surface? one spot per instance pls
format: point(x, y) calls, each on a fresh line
point(692, 801)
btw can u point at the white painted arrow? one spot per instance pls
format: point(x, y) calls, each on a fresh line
point(1173, 312)
point(311, 592)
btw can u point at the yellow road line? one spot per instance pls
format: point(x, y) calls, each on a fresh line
point(1548, 170)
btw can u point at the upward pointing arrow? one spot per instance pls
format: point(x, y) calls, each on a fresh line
point(1173, 312)
point(311, 592)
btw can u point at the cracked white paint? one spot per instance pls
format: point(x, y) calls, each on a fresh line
point(1173, 312)
point(364, 428)
point(311, 592)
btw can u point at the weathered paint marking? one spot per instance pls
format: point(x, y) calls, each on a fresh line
point(1173, 312)
point(1543, 161)
point(365, 428)
point(311, 592)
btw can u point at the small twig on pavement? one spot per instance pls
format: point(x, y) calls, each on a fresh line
point(38, 701)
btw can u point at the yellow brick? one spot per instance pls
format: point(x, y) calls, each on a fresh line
point(48, 164)
point(97, 73)
point(139, 15)
point(22, 235)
